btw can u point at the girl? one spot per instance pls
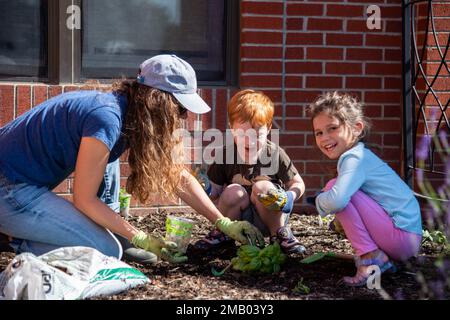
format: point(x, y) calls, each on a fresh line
point(378, 211)
point(86, 132)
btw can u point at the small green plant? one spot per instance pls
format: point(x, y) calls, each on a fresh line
point(434, 236)
point(251, 259)
point(301, 288)
point(124, 198)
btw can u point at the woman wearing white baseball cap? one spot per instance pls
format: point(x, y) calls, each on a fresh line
point(86, 132)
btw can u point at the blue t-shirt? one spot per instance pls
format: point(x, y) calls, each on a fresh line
point(360, 169)
point(41, 146)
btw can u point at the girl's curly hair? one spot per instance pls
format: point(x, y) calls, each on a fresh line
point(151, 122)
point(347, 109)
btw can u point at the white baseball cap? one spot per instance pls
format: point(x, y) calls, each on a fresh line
point(172, 74)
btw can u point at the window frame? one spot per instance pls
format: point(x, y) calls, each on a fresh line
point(64, 46)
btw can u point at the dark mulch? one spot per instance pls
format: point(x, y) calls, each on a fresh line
point(194, 280)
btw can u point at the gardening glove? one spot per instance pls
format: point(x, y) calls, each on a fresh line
point(242, 231)
point(165, 250)
point(203, 179)
point(277, 200)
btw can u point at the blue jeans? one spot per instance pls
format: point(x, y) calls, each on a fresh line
point(40, 221)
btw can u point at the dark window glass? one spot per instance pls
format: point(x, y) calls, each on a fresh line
point(118, 35)
point(23, 38)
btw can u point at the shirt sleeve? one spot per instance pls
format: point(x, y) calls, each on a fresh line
point(350, 178)
point(103, 124)
point(287, 171)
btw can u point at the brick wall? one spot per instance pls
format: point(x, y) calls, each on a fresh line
point(293, 51)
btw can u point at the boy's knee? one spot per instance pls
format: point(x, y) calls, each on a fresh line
point(234, 194)
point(262, 187)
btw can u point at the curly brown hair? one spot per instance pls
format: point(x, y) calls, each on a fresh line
point(347, 109)
point(151, 122)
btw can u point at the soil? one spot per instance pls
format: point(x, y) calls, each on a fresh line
point(416, 279)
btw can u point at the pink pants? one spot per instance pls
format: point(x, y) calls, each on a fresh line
point(368, 227)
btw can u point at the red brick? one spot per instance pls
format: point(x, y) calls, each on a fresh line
point(441, 10)
point(393, 111)
point(391, 12)
point(325, 82)
point(306, 96)
point(260, 81)
point(361, 26)
point(63, 187)
point(392, 83)
point(294, 53)
point(261, 66)
point(304, 153)
point(262, 37)
point(303, 67)
point(71, 88)
point(125, 170)
point(6, 104)
point(294, 24)
point(261, 52)
point(384, 68)
point(363, 83)
point(304, 9)
point(386, 125)
point(383, 97)
point(320, 167)
point(339, 39)
point(206, 118)
point(221, 109)
point(294, 81)
point(325, 24)
point(39, 94)
point(261, 8)
point(274, 95)
point(337, 10)
point(373, 111)
point(342, 68)
point(364, 54)
point(23, 98)
point(324, 53)
point(384, 40)
point(54, 91)
point(296, 139)
point(304, 38)
point(441, 83)
point(261, 22)
point(393, 26)
point(392, 55)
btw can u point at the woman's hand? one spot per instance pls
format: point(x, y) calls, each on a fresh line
point(165, 250)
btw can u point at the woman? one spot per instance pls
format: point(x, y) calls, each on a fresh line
point(86, 132)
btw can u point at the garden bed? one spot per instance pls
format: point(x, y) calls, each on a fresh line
point(194, 280)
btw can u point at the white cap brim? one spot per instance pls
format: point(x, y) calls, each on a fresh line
point(193, 102)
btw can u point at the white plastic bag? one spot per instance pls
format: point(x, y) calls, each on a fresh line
point(66, 274)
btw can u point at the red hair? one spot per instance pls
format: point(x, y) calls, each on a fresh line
point(252, 106)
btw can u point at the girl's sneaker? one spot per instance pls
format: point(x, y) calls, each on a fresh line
point(287, 241)
point(214, 239)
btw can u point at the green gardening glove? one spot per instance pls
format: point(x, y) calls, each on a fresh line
point(242, 231)
point(165, 250)
point(277, 200)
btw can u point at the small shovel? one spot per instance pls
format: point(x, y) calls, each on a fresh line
point(320, 255)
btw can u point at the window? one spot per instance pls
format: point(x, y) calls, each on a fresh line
point(115, 36)
point(23, 38)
